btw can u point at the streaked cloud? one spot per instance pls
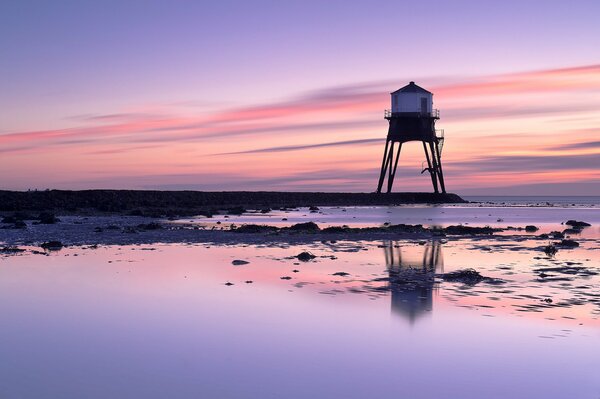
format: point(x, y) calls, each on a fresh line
point(348, 121)
point(308, 146)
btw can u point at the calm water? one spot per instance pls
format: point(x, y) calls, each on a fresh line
point(158, 321)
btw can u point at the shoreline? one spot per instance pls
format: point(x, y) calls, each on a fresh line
point(186, 203)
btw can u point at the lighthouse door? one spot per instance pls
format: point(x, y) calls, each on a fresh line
point(423, 105)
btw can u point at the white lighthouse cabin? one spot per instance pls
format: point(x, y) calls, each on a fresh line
point(413, 99)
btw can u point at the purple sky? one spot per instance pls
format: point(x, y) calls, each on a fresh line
point(139, 94)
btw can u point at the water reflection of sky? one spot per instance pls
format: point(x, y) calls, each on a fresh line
point(547, 218)
point(158, 321)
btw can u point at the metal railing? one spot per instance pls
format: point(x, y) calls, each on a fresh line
point(435, 113)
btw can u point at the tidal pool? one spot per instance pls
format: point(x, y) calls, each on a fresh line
point(157, 321)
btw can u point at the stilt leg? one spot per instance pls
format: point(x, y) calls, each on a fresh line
point(390, 162)
point(440, 172)
point(430, 168)
point(383, 167)
point(395, 167)
point(434, 168)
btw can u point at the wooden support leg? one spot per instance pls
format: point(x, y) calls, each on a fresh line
point(383, 167)
point(395, 166)
point(434, 168)
point(431, 170)
point(440, 172)
point(390, 162)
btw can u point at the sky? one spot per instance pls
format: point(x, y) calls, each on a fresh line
point(289, 95)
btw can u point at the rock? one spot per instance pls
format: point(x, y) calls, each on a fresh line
point(239, 262)
point(468, 277)
point(575, 223)
point(52, 245)
point(295, 271)
point(313, 208)
point(11, 250)
point(19, 224)
point(265, 210)
point(9, 219)
point(47, 218)
point(341, 274)
point(255, 228)
point(571, 231)
point(285, 278)
point(531, 228)
point(149, 226)
point(460, 229)
point(568, 244)
point(557, 234)
point(248, 281)
point(236, 210)
point(308, 226)
point(228, 284)
point(305, 256)
point(550, 250)
point(336, 229)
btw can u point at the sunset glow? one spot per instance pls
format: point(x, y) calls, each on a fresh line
point(506, 125)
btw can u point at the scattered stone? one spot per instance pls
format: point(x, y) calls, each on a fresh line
point(550, 250)
point(341, 274)
point(305, 256)
point(236, 210)
point(576, 223)
point(19, 224)
point(255, 228)
point(239, 262)
point(295, 271)
point(248, 281)
point(9, 219)
point(47, 218)
point(307, 226)
point(568, 244)
point(52, 245)
point(11, 250)
point(336, 229)
point(460, 229)
point(531, 228)
point(468, 277)
point(228, 284)
point(149, 226)
point(285, 278)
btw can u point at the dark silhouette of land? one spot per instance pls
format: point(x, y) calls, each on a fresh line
point(150, 203)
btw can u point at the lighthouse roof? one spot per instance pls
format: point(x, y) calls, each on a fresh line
point(411, 88)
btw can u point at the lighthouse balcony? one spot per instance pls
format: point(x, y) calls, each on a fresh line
point(435, 113)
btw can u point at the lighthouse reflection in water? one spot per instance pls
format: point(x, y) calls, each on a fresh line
point(412, 277)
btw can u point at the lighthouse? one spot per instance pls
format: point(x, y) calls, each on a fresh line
point(412, 118)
